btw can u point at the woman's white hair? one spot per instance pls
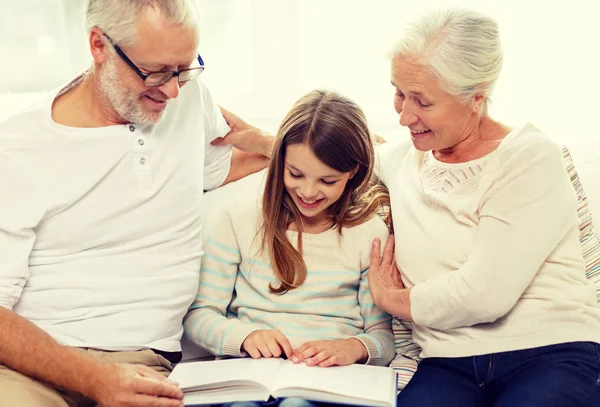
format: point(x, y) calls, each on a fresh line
point(117, 18)
point(459, 47)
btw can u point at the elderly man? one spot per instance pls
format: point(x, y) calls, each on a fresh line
point(101, 213)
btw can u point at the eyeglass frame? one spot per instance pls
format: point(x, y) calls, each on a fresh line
point(144, 76)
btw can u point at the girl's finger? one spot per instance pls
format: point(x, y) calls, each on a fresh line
point(319, 357)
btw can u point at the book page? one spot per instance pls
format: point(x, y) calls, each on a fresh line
point(370, 385)
point(226, 395)
point(259, 373)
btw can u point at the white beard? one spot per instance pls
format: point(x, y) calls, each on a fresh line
point(127, 105)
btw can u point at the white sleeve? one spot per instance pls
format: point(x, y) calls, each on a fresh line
point(217, 160)
point(524, 215)
point(21, 209)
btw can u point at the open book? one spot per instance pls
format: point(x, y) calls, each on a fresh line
point(246, 379)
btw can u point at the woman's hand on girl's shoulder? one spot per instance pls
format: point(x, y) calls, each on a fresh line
point(383, 272)
point(331, 353)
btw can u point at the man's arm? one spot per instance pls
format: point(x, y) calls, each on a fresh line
point(29, 350)
point(243, 164)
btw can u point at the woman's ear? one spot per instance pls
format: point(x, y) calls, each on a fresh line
point(479, 99)
point(353, 172)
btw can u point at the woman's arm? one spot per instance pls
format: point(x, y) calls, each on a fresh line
point(524, 216)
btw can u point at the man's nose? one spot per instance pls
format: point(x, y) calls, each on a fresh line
point(171, 87)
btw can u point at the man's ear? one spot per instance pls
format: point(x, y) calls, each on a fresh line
point(98, 46)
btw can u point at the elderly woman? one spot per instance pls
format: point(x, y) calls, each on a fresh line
point(486, 235)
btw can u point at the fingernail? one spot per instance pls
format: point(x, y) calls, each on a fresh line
point(295, 359)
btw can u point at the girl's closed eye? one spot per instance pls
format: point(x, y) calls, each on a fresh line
point(295, 175)
point(328, 182)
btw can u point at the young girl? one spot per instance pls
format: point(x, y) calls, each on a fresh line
point(288, 277)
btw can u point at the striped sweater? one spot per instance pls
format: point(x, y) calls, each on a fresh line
point(334, 302)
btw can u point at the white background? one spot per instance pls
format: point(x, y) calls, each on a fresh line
point(261, 55)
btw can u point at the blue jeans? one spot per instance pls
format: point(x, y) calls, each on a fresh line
point(563, 375)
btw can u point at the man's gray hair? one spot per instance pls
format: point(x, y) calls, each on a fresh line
point(117, 18)
point(459, 47)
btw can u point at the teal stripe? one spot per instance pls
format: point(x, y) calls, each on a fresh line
point(312, 338)
point(271, 279)
point(375, 341)
point(210, 327)
point(212, 272)
point(204, 299)
point(317, 273)
point(375, 319)
point(210, 286)
point(325, 319)
point(256, 275)
point(244, 290)
point(329, 273)
point(220, 259)
point(200, 322)
point(335, 284)
point(221, 246)
point(255, 262)
point(309, 331)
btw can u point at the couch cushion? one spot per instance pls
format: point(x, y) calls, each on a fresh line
point(590, 241)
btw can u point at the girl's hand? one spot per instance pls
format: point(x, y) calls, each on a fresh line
point(331, 353)
point(267, 343)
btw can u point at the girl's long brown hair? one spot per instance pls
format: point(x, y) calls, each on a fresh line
point(336, 131)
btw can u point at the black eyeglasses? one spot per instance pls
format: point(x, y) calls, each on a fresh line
point(160, 78)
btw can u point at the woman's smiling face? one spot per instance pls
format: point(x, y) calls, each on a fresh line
point(436, 119)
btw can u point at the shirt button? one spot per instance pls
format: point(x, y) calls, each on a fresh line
point(142, 161)
point(132, 128)
point(141, 142)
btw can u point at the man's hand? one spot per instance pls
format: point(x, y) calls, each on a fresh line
point(267, 343)
point(244, 136)
point(377, 139)
point(135, 385)
point(331, 353)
